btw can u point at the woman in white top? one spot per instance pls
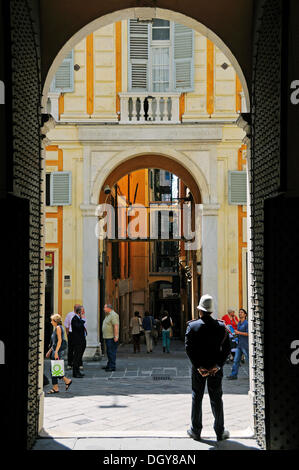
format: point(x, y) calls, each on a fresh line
point(135, 325)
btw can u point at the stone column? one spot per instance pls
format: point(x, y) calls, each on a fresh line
point(90, 279)
point(244, 123)
point(251, 392)
point(209, 228)
point(48, 125)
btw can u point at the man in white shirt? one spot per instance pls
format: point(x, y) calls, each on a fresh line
point(68, 327)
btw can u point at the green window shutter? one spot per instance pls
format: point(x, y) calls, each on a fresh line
point(64, 77)
point(138, 55)
point(61, 188)
point(237, 187)
point(183, 56)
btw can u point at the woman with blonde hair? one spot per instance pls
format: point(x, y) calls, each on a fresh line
point(58, 343)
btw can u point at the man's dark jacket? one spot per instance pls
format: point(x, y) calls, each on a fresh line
point(207, 342)
point(78, 330)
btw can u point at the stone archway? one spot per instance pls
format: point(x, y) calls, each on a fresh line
point(108, 174)
point(161, 162)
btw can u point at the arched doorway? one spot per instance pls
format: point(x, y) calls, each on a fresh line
point(267, 21)
point(171, 281)
point(124, 162)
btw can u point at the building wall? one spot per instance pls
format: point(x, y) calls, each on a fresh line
point(103, 61)
point(103, 58)
point(214, 165)
point(64, 226)
point(75, 102)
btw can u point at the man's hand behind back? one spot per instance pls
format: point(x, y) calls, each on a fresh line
point(205, 372)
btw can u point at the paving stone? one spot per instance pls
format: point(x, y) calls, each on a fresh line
point(132, 400)
point(57, 444)
point(150, 444)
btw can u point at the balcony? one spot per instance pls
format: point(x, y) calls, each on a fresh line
point(145, 108)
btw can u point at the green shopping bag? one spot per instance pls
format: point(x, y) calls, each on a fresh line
point(57, 368)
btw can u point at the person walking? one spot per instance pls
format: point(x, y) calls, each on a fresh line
point(110, 329)
point(79, 341)
point(148, 325)
point(85, 334)
point(207, 346)
point(156, 330)
point(135, 325)
point(166, 324)
point(56, 351)
point(70, 346)
point(242, 347)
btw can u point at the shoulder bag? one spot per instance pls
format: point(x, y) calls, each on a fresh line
point(141, 330)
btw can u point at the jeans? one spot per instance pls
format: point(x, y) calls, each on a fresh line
point(111, 348)
point(166, 339)
point(237, 359)
point(148, 340)
point(215, 394)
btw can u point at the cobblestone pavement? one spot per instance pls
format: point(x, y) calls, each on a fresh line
point(143, 444)
point(149, 395)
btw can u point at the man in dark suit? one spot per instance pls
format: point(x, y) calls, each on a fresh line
point(207, 346)
point(78, 338)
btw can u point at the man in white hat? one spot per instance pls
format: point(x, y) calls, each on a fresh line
point(207, 346)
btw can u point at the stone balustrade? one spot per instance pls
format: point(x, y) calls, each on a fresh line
point(146, 108)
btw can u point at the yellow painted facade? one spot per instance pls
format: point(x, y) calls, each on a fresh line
point(208, 71)
point(101, 72)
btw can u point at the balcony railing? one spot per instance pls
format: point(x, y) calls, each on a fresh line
point(153, 108)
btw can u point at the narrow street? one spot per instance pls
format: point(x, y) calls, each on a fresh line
point(147, 398)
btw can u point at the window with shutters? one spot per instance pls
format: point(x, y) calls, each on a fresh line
point(138, 55)
point(64, 78)
point(160, 56)
point(237, 187)
point(59, 188)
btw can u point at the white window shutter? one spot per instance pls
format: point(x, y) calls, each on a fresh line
point(64, 77)
point(183, 44)
point(61, 188)
point(138, 55)
point(237, 187)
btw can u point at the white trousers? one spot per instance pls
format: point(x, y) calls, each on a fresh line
point(148, 340)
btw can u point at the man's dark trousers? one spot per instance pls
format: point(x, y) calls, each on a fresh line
point(79, 342)
point(82, 352)
point(78, 353)
point(70, 349)
point(111, 348)
point(215, 394)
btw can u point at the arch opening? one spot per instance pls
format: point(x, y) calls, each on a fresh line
point(158, 161)
point(202, 187)
point(147, 247)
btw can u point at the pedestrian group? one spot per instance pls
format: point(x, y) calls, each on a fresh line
point(209, 344)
